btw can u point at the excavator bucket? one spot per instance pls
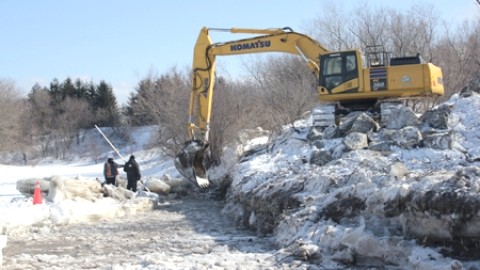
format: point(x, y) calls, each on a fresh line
point(190, 162)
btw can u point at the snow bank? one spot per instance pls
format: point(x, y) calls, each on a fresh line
point(361, 204)
point(69, 201)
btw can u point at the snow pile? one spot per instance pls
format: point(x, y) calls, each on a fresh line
point(68, 201)
point(392, 194)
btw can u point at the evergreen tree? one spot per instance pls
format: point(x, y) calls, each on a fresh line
point(106, 104)
point(92, 95)
point(81, 90)
point(36, 88)
point(55, 88)
point(67, 88)
point(137, 113)
point(127, 109)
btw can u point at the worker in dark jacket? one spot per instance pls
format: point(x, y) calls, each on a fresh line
point(133, 173)
point(110, 171)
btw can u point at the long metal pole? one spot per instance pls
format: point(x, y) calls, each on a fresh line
point(144, 185)
point(115, 149)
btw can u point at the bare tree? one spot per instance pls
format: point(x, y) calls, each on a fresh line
point(413, 33)
point(40, 111)
point(223, 124)
point(370, 31)
point(163, 101)
point(39, 120)
point(460, 60)
point(333, 28)
point(73, 114)
point(287, 89)
point(93, 147)
point(11, 109)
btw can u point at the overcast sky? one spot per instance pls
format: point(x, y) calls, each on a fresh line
point(121, 41)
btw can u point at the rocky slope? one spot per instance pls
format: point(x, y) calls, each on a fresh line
point(369, 192)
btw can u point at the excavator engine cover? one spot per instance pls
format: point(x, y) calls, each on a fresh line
point(190, 162)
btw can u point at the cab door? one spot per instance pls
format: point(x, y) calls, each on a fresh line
point(339, 72)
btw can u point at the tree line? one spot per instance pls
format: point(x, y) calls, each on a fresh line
point(278, 89)
point(53, 116)
point(418, 30)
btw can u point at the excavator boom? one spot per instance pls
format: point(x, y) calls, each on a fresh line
point(205, 53)
point(191, 158)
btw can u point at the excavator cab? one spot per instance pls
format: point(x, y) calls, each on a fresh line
point(338, 68)
point(355, 82)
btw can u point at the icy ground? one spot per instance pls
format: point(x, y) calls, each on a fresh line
point(181, 233)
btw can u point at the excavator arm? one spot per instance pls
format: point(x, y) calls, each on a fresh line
point(190, 159)
point(272, 40)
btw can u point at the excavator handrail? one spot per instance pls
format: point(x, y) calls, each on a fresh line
point(268, 31)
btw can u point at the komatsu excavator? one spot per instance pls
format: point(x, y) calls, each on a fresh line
point(344, 77)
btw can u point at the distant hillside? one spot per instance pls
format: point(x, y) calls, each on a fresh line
point(88, 145)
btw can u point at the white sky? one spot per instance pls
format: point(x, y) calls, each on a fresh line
point(120, 41)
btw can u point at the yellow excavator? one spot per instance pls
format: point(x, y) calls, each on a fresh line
point(344, 77)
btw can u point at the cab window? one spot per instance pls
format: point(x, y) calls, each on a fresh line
point(338, 68)
point(332, 65)
point(351, 63)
